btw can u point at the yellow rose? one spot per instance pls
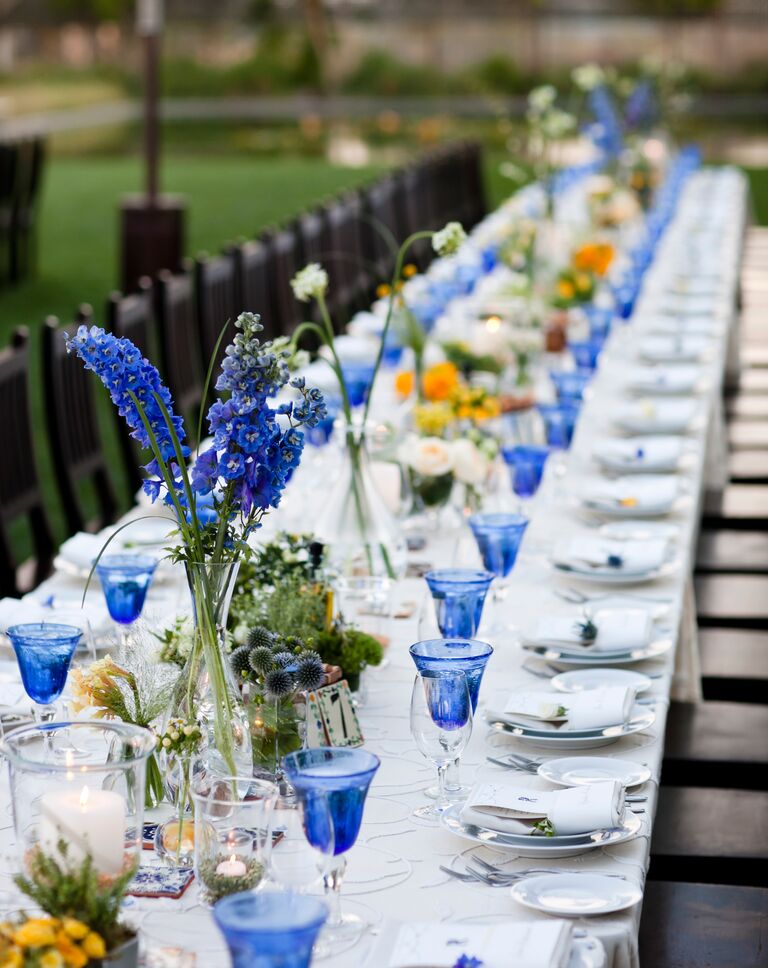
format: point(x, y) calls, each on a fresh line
point(35, 933)
point(94, 946)
point(74, 956)
point(74, 928)
point(565, 289)
point(51, 959)
point(13, 958)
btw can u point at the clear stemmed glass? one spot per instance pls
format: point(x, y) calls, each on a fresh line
point(459, 596)
point(498, 536)
point(469, 656)
point(333, 782)
point(125, 581)
point(292, 860)
point(441, 725)
point(44, 652)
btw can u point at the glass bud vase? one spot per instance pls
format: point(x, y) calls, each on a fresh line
point(361, 535)
point(277, 728)
point(208, 692)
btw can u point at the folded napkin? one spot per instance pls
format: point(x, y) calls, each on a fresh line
point(633, 492)
point(639, 452)
point(673, 347)
point(530, 944)
point(616, 630)
point(666, 379)
point(14, 611)
point(675, 326)
point(81, 549)
point(661, 415)
point(621, 557)
point(590, 709)
point(514, 809)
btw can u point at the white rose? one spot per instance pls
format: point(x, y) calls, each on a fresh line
point(541, 98)
point(428, 456)
point(588, 76)
point(470, 465)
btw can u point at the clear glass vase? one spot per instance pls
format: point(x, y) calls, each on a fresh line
point(361, 535)
point(208, 692)
point(277, 728)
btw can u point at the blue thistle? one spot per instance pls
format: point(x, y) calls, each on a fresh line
point(309, 672)
point(262, 660)
point(279, 683)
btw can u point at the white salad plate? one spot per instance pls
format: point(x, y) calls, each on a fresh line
point(564, 655)
point(607, 575)
point(577, 895)
point(552, 735)
point(570, 771)
point(638, 530)
point(578, 680)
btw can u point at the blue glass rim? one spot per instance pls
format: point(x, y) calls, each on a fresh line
point(230, 914)
point(130, 564)
point(33, 630)
point(466, 577)
point(498, 521)
point(525, 451)
point(479, 649)
point(331, 753)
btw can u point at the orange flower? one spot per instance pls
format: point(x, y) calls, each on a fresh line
point(593, 257)
point(409, 270)
point(439, 381)
point(565, 289)
point(383, 290)
point(404, 382)
point(73, 954)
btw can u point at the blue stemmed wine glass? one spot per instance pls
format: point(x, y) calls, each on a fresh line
point(458, 595)
point(570, 385)
point(270, 929)
point(600, 319)
point(125, 581)
point(559, 423)
point(498, 536)
point(586, 353)
point(44, 652)
point(333, 781)
point(469, 656)
point(526, 464)
point(441, 725)
point(357, 379)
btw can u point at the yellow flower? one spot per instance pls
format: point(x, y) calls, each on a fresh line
point(73, 955)
point(409, 270)
point(583, 281)
point(404, 383)
point(94, 946)
point(565, 289)
point(13, 958)
point(51, 959)
point(440, 381)
point(432, 419)
point(383, 290)
point(35, 933)
point(74, 928)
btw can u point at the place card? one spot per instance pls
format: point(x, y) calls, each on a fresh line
point(333, 707)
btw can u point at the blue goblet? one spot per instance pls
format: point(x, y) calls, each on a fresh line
point(570, 385)
point(270, 929)
point(526, 464)
point(125, 580)
point(559, 423)
point(470, 657)
point(458, 595)
point(498, 538)
point(44, 652)
point(599, 319)
point(333, 781)
point(357, 379)
point(586, 353)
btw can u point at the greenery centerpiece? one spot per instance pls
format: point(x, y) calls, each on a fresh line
point(244, 470)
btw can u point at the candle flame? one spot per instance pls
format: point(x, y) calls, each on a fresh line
point(493, 324)
point(233, 858)
point(84, 794)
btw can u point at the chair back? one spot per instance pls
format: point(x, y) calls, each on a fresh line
point(283, 256)
point(350, 278)
point(382, 226)
point(176, 317)
point(252, 282)
point(217, 305)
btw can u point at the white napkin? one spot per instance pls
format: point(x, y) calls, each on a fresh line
point(81, 549)
point(529, 944)
point(665, 379)
point(585, 551)
point(660, 348)
point(639, 452)
point(632, 493)
point(14, 611)
point(617, 630)
point(513, 808)
point(590, 709)
point(656, 416)
point(675, 326)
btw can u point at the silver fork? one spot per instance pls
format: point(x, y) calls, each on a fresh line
point(528, 871)
point(520, 767)
point(577, 597)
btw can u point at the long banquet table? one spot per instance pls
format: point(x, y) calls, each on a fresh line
point(394, 868)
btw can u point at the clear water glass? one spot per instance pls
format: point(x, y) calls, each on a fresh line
point(458, 595)
point(441, 725)
point(292, 860)
point(270, 929)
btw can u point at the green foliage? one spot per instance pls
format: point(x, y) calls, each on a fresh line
point(380, 73)
point(349, 648)
point(468, 362)
point(91, 9)
point(675, 8)
point(66, 889)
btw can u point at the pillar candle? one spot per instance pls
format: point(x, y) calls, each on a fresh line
point(89, 822)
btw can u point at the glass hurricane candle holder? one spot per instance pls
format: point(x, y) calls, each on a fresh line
point(232, 816)
point(91, 804)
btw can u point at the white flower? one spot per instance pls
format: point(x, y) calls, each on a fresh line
point(526, 340)
point(588, 76)
point(542, 98)
point(311, 282)
point(448, 239)
point(556, 123)
point(470, 465)
point(428, 456)
point(240, 634)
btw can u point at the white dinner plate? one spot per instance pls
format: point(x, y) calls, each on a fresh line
point(565, 656)
point(577, 895)
point(547, 734)
point(657, 454)
point(638, 530)
point(577, 680)
point(570, 771)
point(614, 576)
point(539, 846)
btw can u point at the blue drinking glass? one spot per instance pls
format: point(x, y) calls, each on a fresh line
point(586, 353)
point(469, 656)
point(335, 781)
point(559, 423)
point(526, 464)
point(44, 652)
point(125, 580)
point(357, 379)
point(459, 596)
point(570, 385)
point(270, 930)
point(599, 319)
point(498, 536)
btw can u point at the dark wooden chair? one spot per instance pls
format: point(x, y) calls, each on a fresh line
point(284, 262)
point(314, 237)
point(9, 166)
point(738, 601)
point(176, 317)
point(350, 279)
point(252, 282)
point(21, 497)
point(734, 664)
point(217, 305)
point(733, 551)
point(73, 434)
point(476, 199)
point(24, 219)
point(382, 227)
point(130, 317)
point(419, 211)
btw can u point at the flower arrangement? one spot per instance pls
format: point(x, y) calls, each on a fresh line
point(594, 257)
point(434, 464)
point(178, 745)
point(82, 908)
point(572, 288)
point(610, 205)
point(255, 449)
point(548, 126)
